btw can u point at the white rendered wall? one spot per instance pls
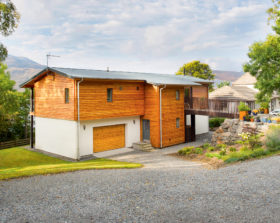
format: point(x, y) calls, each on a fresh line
point(201, 124)
point(132, 131)
point(56, 136)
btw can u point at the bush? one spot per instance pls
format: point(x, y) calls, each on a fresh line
point(211, 149)
point(272, 141)
point(221, 146)
point(223, 152)
point(259, 152)
point(205, 145)
point(212, 155)
point(198, 150)
point(215, 122)
point(243, 107)
point(244, 148)
point(232, 149)
point(186, 150)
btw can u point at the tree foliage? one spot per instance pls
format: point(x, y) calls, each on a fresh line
point(223, 83)
point(264, 58)
point(197, 69)
point(9, 19)
point(14, 108)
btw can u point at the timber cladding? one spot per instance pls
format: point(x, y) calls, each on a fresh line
point(108, 137)
point(127, 99)
point(200, 91)
point(152, 113)
point(49, 95)
point(171, 110)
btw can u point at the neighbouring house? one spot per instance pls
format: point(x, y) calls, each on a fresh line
point(242, 90)
point(79, 112)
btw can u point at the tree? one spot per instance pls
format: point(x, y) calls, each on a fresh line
point(264, 58)
point(223, 83)
point(9, 19)
point(14, 108)
point(197, 69)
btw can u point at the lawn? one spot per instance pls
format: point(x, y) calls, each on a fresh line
point(19, 162)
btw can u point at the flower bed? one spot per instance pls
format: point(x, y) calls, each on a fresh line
point(252, 145)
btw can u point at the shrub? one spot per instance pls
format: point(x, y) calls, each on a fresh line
point(198, 150)
point(232, 149)
point(215, 122)
point(239, 142)
point(243, 107)
point(221, 146)
point(259, 152)
point(244, 148)
point(272, 141)
point(205, 145)
point(211, 149)
point(186, 150)
point(223, 152)
point(212, 155)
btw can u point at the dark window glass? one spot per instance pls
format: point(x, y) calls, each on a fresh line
point(177, 122)
point(109, 94)
point(66, 95)
point(177, 95)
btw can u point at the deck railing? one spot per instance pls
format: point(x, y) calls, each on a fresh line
point(214, 107)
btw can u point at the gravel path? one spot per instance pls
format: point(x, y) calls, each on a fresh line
point(247, 192)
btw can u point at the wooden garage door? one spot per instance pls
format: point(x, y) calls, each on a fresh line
point(108, 138)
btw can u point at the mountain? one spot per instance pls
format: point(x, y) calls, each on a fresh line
point(227, 75)
point(22, 68)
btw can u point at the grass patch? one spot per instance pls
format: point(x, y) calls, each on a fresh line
point(19, 162)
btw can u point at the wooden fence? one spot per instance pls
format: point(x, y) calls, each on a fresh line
point(14, 143)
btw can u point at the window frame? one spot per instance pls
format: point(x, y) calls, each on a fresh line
point(109, 94)
point(66, 95)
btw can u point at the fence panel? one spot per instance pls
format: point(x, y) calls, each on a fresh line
point(14, 143)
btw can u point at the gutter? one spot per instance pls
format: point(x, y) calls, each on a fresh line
point(160, 113)
point(78, 122)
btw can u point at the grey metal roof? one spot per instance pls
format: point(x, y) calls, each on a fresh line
point(156, 79)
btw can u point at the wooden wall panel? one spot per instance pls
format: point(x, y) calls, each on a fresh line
point(200, 91)
point(50, 99)
point(127, 100)
point(152, 113)
point(172, 109)
point(108, 138)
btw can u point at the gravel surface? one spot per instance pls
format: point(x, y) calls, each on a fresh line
point(247, 192)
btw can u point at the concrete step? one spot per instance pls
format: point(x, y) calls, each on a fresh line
point(143, 146)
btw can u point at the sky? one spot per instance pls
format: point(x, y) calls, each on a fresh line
point(131, 35)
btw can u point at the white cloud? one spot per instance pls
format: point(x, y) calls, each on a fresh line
point(164, 33)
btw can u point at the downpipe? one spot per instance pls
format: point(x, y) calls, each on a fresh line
point(78, 122)
point(160, 114)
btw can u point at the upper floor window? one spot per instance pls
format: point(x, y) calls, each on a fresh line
point(66, 95)
point(177, 122)
point(177, 95)
point(109, 94)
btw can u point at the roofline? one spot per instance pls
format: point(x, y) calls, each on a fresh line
point(53, 69)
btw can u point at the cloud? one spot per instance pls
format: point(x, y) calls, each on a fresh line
point(148, 31)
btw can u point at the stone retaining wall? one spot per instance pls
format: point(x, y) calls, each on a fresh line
point(229, 131)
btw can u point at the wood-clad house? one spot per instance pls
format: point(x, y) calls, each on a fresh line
point(80, 112)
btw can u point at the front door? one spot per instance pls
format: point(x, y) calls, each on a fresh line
point(146, 130)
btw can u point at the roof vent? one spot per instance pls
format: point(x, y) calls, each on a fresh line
point(107, 69)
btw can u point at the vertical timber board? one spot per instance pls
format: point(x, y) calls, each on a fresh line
point(50, 99)
point(152, 113)
point(172, 109)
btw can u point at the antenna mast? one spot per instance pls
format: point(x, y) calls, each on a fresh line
point(50, 55)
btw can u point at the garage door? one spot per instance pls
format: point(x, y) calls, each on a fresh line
point(108, 138)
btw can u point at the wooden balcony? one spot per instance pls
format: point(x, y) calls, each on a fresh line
point(212, 107)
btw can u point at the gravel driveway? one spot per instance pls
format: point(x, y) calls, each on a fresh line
point(247, 192)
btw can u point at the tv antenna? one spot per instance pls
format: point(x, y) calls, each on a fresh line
point(50, 55)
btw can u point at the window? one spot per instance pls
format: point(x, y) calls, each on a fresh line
point(177, 123)
point(66, 95)
point(109, 94)
point(177, 95)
